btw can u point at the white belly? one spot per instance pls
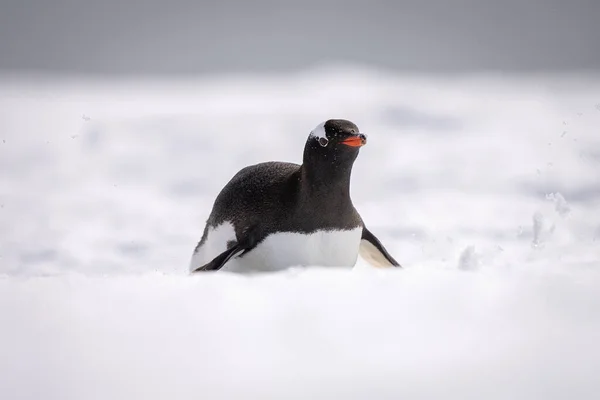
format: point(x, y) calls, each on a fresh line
point(283, 250)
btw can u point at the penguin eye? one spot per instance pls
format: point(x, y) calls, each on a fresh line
point(323, 141)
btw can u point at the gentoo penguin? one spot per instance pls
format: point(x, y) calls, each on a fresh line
point(275, 215)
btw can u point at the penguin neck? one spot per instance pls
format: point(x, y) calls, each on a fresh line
point(324, 179)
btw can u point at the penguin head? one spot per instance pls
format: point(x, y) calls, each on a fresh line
point(335, 140)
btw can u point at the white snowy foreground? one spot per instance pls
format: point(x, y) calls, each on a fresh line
point(486, 189)
point(312, 335)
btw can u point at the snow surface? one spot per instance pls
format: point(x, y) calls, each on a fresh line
point(485, 188)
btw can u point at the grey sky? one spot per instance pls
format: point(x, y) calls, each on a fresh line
point(189, 37)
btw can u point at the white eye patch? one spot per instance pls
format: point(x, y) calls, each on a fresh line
point(319, 131)
point(323, 141)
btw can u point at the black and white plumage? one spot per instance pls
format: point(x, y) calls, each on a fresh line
point(275, 215)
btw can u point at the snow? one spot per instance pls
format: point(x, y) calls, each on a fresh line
point(485, 188)
point(417, 333)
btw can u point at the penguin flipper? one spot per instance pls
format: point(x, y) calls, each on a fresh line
point(374, 252)
point(220, 260)
point(245, 244)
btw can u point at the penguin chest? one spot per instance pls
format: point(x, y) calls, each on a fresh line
point(327, 248)
point(281, 250)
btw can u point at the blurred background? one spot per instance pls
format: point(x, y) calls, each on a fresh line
point(185, 37)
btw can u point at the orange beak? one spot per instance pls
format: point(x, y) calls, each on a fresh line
point(355, 140)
